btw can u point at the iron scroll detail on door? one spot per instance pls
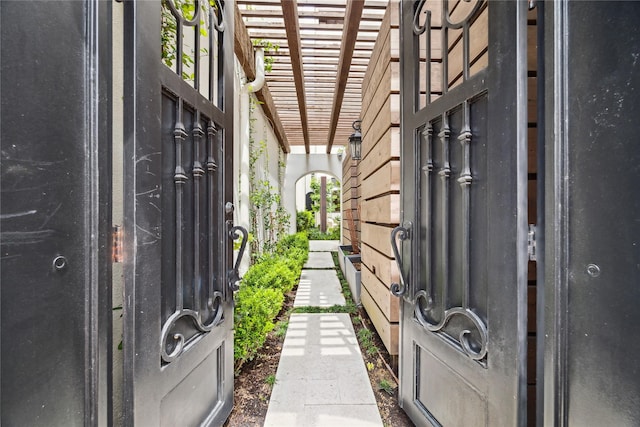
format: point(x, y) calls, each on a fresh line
point(172, 341)
point(424, 299)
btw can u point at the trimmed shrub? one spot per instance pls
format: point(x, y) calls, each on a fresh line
point(254, 313)
point(298, 240)
point(273, 273)
point(261, 294)
point(304, 220)
point(331, 234)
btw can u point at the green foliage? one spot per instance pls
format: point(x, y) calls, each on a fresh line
point(169, 28)
point(332, 195)
point(271, 272)
point(271, 380)
point(254, 313)
point(268, 218)
point(365, 337)
point(331, 234)
point(349, 308)
point(297, 241)
point(386, 386)
point(268, 47)
point(304, 220)
point(281, 329)
point(261, 295)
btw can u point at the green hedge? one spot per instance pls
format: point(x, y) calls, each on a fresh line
point(331, 234)
point(261, 294)
point(304, 220)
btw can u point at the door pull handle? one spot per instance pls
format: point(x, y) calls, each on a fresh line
point(234, 273)
point(401, 233)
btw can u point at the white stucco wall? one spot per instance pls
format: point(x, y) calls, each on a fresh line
point(299, 165)
point(266, 168)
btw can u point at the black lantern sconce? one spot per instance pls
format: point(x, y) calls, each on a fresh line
point(355, 140)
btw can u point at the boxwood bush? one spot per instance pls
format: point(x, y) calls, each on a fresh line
point(262, 292)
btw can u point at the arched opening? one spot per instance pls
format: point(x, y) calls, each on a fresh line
point(318, 205)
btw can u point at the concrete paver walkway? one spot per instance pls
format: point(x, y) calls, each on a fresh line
point(323, 245)
point(319, 260)
point(321, 379)
point(319, 288)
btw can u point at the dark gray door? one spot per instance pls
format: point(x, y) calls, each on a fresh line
point(178, 314)
point(55, 213)
point(591, 369)
point(463, 245)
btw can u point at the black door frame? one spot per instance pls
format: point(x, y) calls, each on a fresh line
point(56, 79)
point(154, 164)
point(507, 227)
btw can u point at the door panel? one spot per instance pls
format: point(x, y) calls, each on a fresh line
point(463, 236)
point(593, 203)
point(55, 213)
point(178, 344)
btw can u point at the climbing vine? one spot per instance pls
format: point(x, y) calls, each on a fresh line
point(267, 217)
point(268, 47)
point(169, 30)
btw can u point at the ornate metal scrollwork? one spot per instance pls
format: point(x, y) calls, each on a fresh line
point(234, 274)
point(417, 28)
point(472, 331)
point(460, 23)
point(215, 305)
point(403, 234)
point(420, 29)
point(475, 352)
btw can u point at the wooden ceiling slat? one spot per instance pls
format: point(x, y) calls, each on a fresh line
point(327, 14)
point(251, 23)
point(351, 25)
point(290, 17)
point(325, 93)
point(244, 51)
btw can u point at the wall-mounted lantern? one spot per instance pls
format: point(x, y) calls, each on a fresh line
point(355, 140)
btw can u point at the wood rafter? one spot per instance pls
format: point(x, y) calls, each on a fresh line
point(350, 34)
point(316, 77)
point(243, 49)
point(292, 27)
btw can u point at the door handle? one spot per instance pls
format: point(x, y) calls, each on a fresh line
point(401, 233)
point(234, 273)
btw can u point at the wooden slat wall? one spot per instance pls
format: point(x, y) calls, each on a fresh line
point(379, 178)
point(350, 197)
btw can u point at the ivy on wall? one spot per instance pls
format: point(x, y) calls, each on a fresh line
point(268, 219)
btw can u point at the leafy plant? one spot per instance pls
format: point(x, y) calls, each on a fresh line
point(169, 30)
point(281, 329)
point(365, 337)
point(254, 313)
point(331, 234)
point(268, 218)
point(261, 295)
point(268, 47)
point(332, 194)
point(271, 380)
point(386, 386)
point(304, 220)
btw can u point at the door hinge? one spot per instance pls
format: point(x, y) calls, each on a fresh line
point(117, 244)
point(531, 243)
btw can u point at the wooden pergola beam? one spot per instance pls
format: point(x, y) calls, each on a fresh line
point(350, 34)
point(243, 49)
point(292, 27)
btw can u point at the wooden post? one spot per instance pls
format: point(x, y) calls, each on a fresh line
point(323, 204)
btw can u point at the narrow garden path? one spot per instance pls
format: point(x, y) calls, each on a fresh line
point(322, 358)
point(321, 378)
